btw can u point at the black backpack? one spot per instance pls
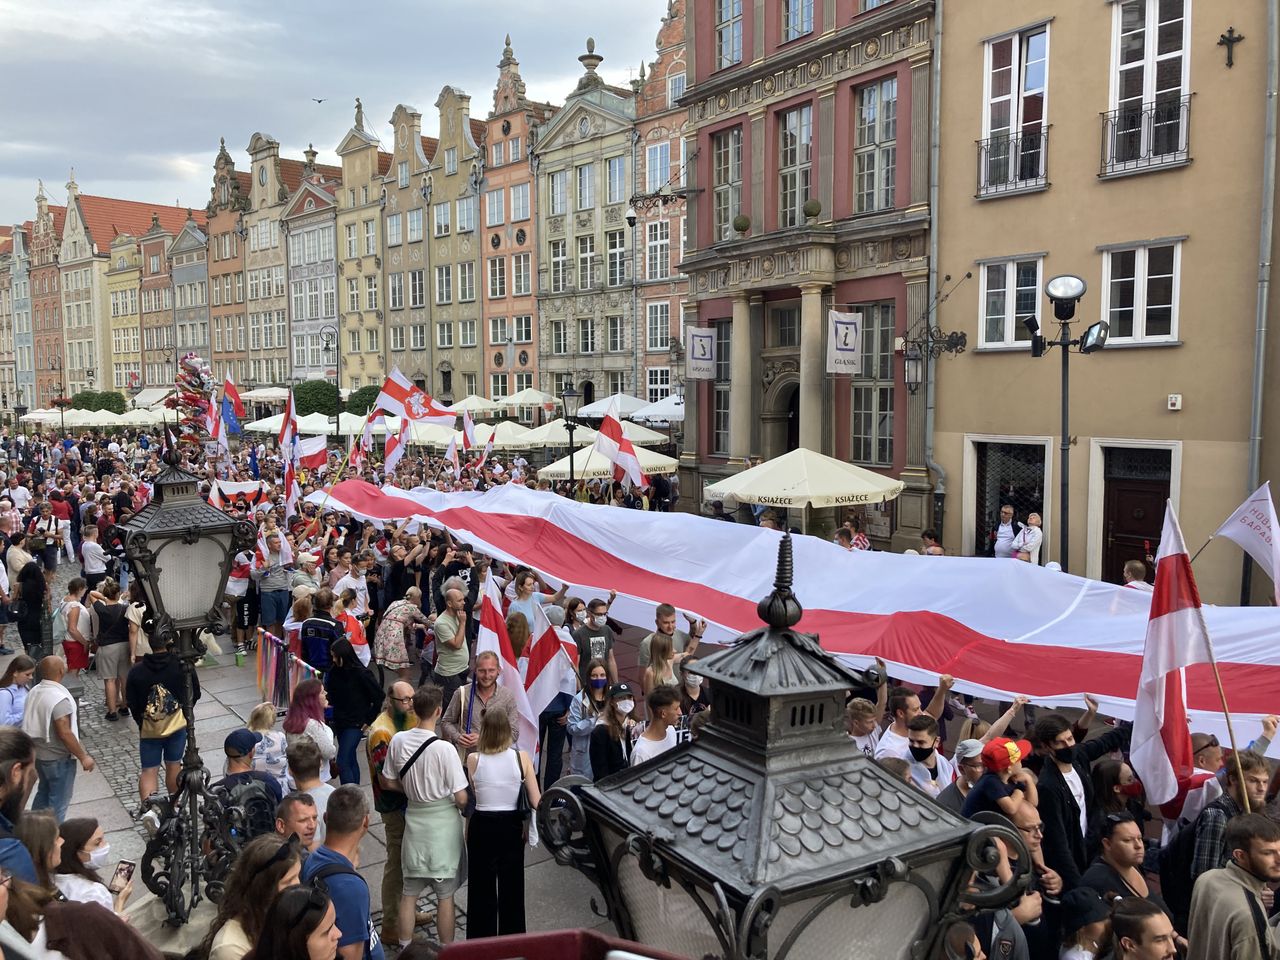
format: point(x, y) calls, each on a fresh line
point(1175, 860)
point(335, 869)
point(256, 807)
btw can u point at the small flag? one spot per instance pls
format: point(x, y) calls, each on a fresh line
point(253, 462)
point(468, 431)
point(451, 456)
point(393, 449)
point(229, 392)
point(1253, 527)
point(229, 416)
point(617, 449)
point(288, 423)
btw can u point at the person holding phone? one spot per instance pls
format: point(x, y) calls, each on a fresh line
point(85, 852)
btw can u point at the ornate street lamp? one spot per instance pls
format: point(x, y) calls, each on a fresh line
point(332, 353)
point(181, 550)
point(570, 397)
point(769, 837)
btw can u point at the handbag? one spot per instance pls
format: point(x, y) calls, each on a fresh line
point(523, 806)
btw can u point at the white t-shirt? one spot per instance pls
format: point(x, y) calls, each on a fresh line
point(321, 795)
point(892, 745)
point(20, 496)
point(868, 743)
point(646, 749)
point(361, 588)
point(1004, 540)
point(83, 890)
point(435, 775)
point(95, 558)
point(925, 779)
point(1077, 790)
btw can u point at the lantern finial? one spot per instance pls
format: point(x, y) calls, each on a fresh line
point(781, 609)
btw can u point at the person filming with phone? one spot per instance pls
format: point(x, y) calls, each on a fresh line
point(85, 854)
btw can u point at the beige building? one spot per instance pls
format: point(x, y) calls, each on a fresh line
point(1114, 144)
point(360, 257)
point(124, 276)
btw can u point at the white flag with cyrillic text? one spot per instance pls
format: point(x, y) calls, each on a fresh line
point(1253, 527)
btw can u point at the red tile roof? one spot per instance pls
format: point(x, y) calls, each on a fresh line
point(478, 130)
point(291, 172)
point(59, 218)
point(384, 163)
point(246, 182)
point(105, 218)
point(429, 146)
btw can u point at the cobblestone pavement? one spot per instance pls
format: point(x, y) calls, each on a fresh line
point(555, 897)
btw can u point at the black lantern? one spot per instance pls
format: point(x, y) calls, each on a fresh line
point(181, 550)
point(912, 368)
point(771, 836)
point(570, 397)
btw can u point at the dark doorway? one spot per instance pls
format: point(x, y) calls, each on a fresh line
point(1011, 473)
point(588, 392)
point(793, 420)
point(1137, 486)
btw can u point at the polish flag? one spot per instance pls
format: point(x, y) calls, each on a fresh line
point(451, 456)
point(492, 638)
point(312, 452)
point(617, 449)
point(1176, 638)
point(289, 423)
point(402, 398)
point(229, 391)
point(550, 662)
point(468, 431)
point(393, 449)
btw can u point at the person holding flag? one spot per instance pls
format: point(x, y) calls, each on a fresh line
point(618, 450)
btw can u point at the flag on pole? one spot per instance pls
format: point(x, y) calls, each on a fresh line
point(229, 392)
point(254, 470)
point(1253, 527)
point(312, 452)
point(213, 415)
point(468, 431)
point(492, 638)
point(289, 422)
point(261, 554)
point(222, 434)
point(292, 493)
point(356, 456)
point(617, 449)
point(451, 456)
point(393, 448)
point(484, 454)
point(402, 398)
point(1176, 638)
point(549, 658)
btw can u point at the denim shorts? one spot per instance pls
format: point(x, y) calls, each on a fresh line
point(273, 606)
point(169, 749)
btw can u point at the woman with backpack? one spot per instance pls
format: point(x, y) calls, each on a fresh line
point(13, 689)
point(154, 694)
point(357, 699)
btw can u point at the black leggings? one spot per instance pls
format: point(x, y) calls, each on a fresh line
point(30, 634)
point(495, 874)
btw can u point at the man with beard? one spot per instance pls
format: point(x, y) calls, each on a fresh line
point(1228, 918)
point(17, 777)
point(461, 723)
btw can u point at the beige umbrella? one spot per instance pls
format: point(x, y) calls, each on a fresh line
point(554, 434)
point(530, 397)
point(804, 478)
point(641, 434)
point(266, 395)
point(588, 465)
point(507, 434)
point(478, 405)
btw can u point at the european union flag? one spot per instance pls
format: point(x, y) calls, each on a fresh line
point(229, 416)
point(253, 461)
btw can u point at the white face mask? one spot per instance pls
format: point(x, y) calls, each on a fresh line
point(692, 680)
point(98, 856)
point(599, 621)
point(581, 616)
point(625, 706)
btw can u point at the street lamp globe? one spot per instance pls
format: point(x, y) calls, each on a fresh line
point(570, 397)
point(912, 369)
point(1065, 292)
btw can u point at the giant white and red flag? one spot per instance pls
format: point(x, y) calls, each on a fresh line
point(616, 448)
point(1177, 637)
point(404, 399)
point(492, 638)
point(1253, 527)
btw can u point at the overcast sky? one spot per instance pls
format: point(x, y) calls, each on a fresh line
point(134, 94)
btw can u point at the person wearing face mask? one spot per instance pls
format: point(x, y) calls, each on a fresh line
point(595, 640)
point(1228, 914)
point(1119, 790)
point(611, 739)
point(1086, 925)
point(85, 856)
point(694, 697)
point(584, 714)
point(930, 770)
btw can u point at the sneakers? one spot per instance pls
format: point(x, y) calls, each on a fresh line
point(150, 822)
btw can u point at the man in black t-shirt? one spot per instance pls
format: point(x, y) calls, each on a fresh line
point(595, 641)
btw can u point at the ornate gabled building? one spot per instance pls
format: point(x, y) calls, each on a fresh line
point(124, 279)
point(509, 315)
point(308, 224)
point(46, 299)
point(189, 266)
point(155, 301)
point(228, 317)
point(23, 345)
point(585, 159)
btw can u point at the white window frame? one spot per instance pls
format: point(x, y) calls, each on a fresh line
point(616, 177)
point(413, 226)
point(726, 161)
point(522, 328)
point(586, 335)
point(657, 383)
point(557, 192)
point(444, 334)
point(657, 250)
point(467, 332)
point(1015, 333)
point(677, 80)
point(585, 185)
point(797, 19)
point(795, 172)
point(519, 202)
point(495, 207)
point(727, 16)
point(659, 312)
point(875, 159)
point(657, 165)
point(444, 284)
point(466, 281)
point(1017, 172)
point(496, 273)
point(393, 230)
point(1140, 282)
point(1148, 85)
point(440, 215)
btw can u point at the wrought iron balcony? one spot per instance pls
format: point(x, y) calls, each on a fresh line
point(1010, 164)
point(1141, 137)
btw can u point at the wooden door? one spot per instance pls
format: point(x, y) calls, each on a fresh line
point(1133, 515)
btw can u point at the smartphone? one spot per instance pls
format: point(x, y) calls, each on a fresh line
point(124, 873)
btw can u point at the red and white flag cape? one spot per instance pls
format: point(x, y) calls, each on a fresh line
point(312, 452)
point(288, 423)
point(617, 449)
point(402, 398)
point(1177, 637)
point(261, 554)
point(492, 637)
point(229, 391)
point(468, 431)
point(549, 659)
point(451, 456)
point(393, 448)
point(1253, 527)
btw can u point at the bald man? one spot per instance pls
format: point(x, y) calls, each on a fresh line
point(50, 720)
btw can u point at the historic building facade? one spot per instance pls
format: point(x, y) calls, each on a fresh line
point(308, 223)
point(124, 279)
point(46, 299)
point(228, 318)
point(509, 315)
point(812, 184)
point(7, 380)
point(83, 282)
point(155, 308)
point(189, 266)
point(23, 344)
point(585, 157)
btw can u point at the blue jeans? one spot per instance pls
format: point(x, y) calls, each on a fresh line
point(348, 760)
point(57, 779)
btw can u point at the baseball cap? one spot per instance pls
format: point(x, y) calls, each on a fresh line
point(308, 558)
point(240, 742)
point(1002, 753)
point(301, 590)
point(623, 689)
point(1081, 907)
point(968, 749)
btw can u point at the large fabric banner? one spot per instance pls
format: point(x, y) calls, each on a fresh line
point(1001, 627)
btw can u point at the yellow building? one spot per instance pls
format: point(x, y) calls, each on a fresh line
point(1118, 143)
point(124, 274)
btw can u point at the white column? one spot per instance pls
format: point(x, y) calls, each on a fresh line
point(740, 370)
point(812, 372)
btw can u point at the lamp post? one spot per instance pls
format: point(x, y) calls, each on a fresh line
point(55, 364)
point(20, 411)
point(1064, 292)
point(329, 334)
point(181, 550)
point(676, 362)
point(570, 397)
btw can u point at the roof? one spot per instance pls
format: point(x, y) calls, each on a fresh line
point(292, 172)
point(429, 146)
point(478, 129)
point(105, 218)
point(59, 218)
point(246, 182)
point(6, 239)
point(384, 163)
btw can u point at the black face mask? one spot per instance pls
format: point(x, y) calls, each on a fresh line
point(1065, 754)
point(921, 754)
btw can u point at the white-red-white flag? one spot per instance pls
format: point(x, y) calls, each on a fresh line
point(1177, 637)
point(402, 398)
point(618, 450)
point(312, 452)
point(229, 392)
point(262, 554)
point(451, 456)
point(1253, 527)
point(550, 662)
point(292, 493)
point(492, 638)
point(288, 423)
point(468, 431)
point(393, 448)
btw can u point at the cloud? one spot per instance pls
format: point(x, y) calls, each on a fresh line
point(135, 95)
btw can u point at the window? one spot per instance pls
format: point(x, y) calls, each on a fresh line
point(497, 331)
point(418, 335)
point(495, 202)
point(797, 19)
point(1010, 293)
point(514, 153)
point(299, 351)
point(557, 185)
point(657, 326)
point(393, 230)
point(615, 243)
point(469, 384)
point(519, 202)
point(872, 418)
point(658, 251)
point(467, 333)
point(497, 267)
point(466, 281)
point(313, 299)
point(277, 282)
point(353, 341)
point(784, 326)
point(370, 237)
point(415, 225)
point(559, 266)
point(467, 207)
point(586, 335)
point(523, 328)
point(586, 186)
point(442, 219)
point(417, 289)
point(353, 295)
point(497, 386)
point(402, 173)
point(444, 284)
point(586, 262)
point(299, 293)
point(329, 291)
point(657, 166)
point(659, 381)
point(675, 87)
point(1142, 292)
point(397, 338)
point(875, 147)
point(444, 335)
point(726, 174)
point(497, 154)
point(728, 33)
point(520, 275)
point(353, 242)
point(451, 160)
point(371, 293)
point(1147, 126)
point(253, 286)
point(1012, 152)
point(310, 247)
point(395, 291)
point(559, 338)
point(795, 150)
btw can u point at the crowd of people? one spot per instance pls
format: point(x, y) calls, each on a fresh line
point(388, 620)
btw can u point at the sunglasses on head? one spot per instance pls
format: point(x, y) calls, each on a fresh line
point(284, 851)
point(317, 899)
point(1211, 742)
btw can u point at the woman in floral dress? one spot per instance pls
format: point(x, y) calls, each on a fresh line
point(389, 643)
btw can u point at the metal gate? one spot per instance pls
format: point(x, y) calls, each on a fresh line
point(1011, 473)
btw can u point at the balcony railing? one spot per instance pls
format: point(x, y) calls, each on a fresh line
point(1007, 164)
point(1141, 137)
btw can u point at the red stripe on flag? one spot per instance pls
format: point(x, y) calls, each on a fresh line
point(1174, 732)
point(1175, 587)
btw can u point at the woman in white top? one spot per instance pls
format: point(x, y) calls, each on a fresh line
point(85, 852)
point(267, 865)
point(305, 718)
point(498, 830)
point(1026, 543)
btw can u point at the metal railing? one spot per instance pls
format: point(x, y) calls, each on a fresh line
point(1140, 137)
point(1007, 163)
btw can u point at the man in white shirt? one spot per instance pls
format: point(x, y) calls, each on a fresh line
point(930, 770)
point(355, 580)
point(19, 494)
point(660, 735)
point(94, 565)
point(904, 706)
point(1135, 576)
point(1002, 536)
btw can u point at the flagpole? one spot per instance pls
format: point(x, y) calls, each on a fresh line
point(1222, 696)
point(342, 467)
point(1201, 550)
